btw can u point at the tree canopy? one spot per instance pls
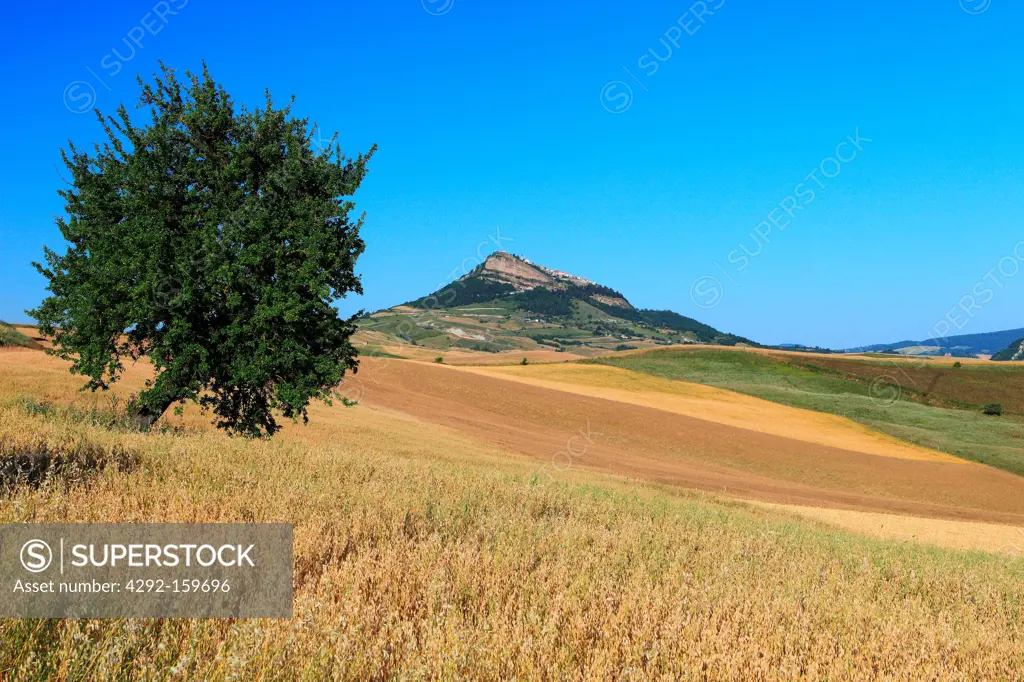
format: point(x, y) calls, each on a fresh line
point(211, 241)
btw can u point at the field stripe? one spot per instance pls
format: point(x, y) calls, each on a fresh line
point(961, 535)
point(716, 405)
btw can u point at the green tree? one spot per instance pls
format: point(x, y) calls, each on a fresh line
point(211, 241)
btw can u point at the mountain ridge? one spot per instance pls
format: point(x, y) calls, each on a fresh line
point(966, 345)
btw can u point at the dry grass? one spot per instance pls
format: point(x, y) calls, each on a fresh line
point(33, 375)
point(420, 554)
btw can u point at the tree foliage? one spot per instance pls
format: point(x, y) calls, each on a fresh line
point(548, 302)
point(211, 241)
point(1014, 352)
point(463, 292)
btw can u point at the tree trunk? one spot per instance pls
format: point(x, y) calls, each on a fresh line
point(146, 416)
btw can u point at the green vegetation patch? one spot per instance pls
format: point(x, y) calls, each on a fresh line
point(12, 338)
point(462, 293)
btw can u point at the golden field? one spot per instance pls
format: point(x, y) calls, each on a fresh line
point(425, 552)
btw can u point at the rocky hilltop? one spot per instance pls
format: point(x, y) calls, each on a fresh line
point(503, 268)
point(519, 273)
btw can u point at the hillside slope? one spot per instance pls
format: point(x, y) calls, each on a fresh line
point(510, 303)
point(453, 526)
point(11, 337)
point(1014, 352)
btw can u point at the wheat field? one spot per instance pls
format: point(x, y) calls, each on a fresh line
point(423, 554)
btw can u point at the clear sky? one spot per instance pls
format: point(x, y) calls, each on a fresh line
point(636, 144)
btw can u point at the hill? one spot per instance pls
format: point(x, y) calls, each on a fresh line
point(510, 303)
point(11, 337)
point(1014, 352)
point(966, 345)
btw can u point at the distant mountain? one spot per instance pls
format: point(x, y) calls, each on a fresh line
point(801, 348)
point(1014, 352)
point(966, 345)
point(510, 302)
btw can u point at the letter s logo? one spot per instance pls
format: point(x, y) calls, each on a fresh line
point(36, 556)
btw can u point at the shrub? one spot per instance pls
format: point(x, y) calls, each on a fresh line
point(957, 364)
point(524, 362)
point(994, 409)
point(439, 359)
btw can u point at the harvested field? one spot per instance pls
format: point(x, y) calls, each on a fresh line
point(659, 446)
point(881, 404)
point(716, 405)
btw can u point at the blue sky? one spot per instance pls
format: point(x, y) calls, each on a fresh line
point(548, 124)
